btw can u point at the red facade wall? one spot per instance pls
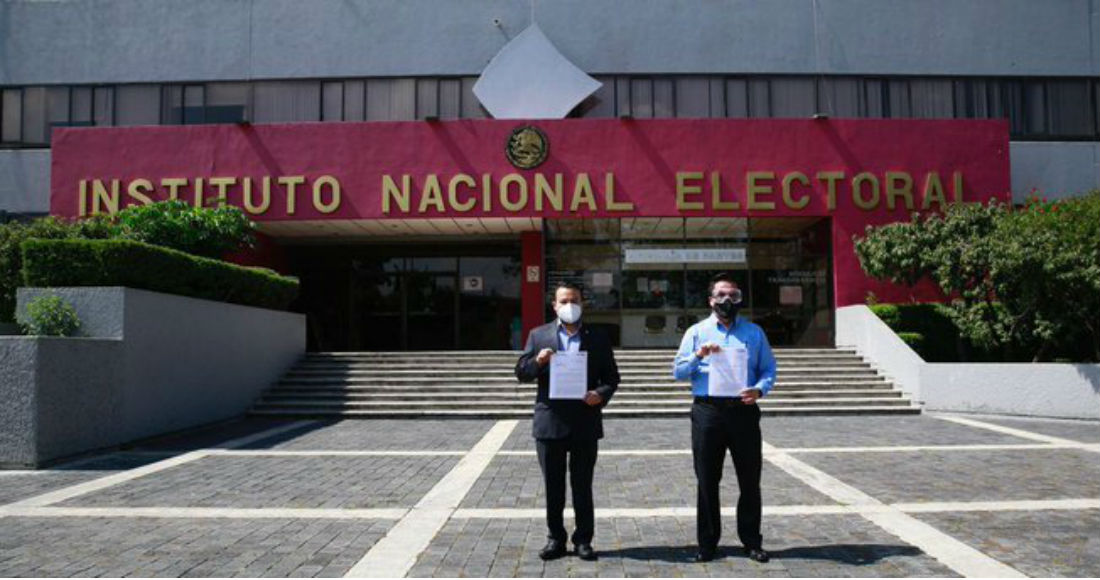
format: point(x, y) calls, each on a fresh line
point(607, 168)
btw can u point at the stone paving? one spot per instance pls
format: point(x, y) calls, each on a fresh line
point(930, 495)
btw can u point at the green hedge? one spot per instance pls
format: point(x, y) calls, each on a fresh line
point(932, 333)
point(147, 267)
point(915, 340)
point(940, 340)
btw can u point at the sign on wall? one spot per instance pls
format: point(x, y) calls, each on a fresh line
point(683, 255)
point(856, 172)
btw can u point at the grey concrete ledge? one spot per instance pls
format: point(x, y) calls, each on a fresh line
point(1050, 390)
point(151, 364)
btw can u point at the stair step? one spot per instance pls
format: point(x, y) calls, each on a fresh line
point(651, 412)
point(504, 386)
point(632, 355)
point(516, 403)
point(479, 370)
point(458, 384)
point(482, 384)
point(527, 395)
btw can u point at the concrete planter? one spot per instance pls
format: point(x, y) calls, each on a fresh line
point(150, 364)
point(59, 397)
point(1067, 391)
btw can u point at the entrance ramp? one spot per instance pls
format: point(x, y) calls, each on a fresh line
point(481, 384)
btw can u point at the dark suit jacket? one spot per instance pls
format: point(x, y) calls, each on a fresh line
point(565, 419)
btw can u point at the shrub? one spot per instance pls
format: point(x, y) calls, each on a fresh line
point(1024, 282)
point(13, 234)
point(210, 232)
point(915, 340)
point(889, 314)
point(50, 316)
point(148, 267)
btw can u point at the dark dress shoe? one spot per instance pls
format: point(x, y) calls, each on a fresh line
point(757, 554)
point(552, 550)
point(585, 552)
point(704, 555)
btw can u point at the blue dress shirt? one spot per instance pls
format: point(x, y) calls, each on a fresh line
point(743, 334)
point(568, 342)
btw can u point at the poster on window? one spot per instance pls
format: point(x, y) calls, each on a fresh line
point(790, 295)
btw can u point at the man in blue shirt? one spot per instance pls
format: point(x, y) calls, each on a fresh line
point(723, 419)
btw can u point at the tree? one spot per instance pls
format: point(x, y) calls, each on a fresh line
point(1021, 280)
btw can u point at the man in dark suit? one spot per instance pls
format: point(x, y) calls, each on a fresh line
point(566, 431)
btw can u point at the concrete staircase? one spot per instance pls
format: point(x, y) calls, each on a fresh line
point(482, 384)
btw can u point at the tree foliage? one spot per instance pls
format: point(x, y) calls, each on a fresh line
point(208, 232)
point(1024, 281)
point(13, 234)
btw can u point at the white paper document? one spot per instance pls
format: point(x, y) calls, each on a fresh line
point(729, 372)
point(569, 375)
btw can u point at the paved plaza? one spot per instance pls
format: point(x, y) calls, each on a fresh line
point(929, 495)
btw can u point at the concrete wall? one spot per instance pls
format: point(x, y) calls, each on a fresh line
point(60, 396)
point(1068, 391)
point(175, 40)
point(1058, 170)
point(177, 362)
point(858, 327)
point(25, 181)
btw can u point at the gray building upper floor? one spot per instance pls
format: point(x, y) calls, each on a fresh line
point(135, 62)
point(134, 41)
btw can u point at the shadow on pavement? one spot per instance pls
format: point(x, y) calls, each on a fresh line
point(851, 554)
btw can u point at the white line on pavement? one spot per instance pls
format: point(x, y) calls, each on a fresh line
point(295, 453)
point(656, 512)
point(1006, 430)
point(951, 552)
point(616, 452)
point(209, 513)
point(875, 449)
point(538, 513)
point(903, 448)
point(397, 551)
point(998, 506)
point(131, 474)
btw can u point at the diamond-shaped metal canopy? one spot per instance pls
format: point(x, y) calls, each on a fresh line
point(530, 79)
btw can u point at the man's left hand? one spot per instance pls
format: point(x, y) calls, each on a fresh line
point(592, 398)
point(750, 396)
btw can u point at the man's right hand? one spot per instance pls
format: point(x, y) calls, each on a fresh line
point(707, 348)
point(544, 356)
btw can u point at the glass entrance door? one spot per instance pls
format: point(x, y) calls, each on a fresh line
point(646, 279)
point(358, 298)
point(430, 306)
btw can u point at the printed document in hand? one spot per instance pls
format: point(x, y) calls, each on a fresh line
point(569, 375)
point(729, 372)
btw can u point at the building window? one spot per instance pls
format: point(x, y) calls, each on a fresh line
point(199, 104)
point(137, 105)
point(332, 101)
point(31, 113)
point(1036, 108)
point(227, 102)
point(11, 116)
point(286, 101)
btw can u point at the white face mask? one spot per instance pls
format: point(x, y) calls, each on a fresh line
point(569, 313)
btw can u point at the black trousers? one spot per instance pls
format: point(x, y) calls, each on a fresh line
point(714, 429)
point(555, 455)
